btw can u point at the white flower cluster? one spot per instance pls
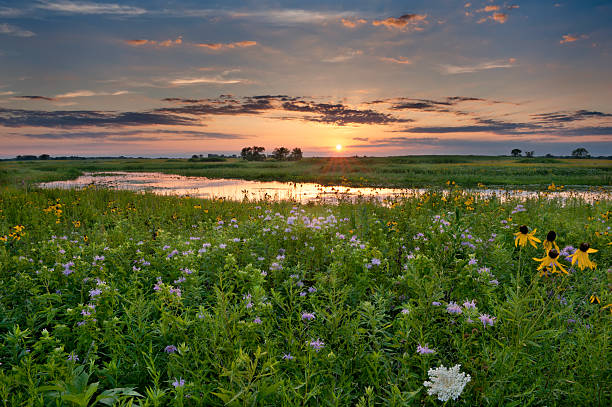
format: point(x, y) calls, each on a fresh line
point(446, 383)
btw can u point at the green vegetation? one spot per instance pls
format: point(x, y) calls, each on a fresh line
point(413, 171)
point(114, 296)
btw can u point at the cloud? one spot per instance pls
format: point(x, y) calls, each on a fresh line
point(567, 38)
point(486, 9)
point(496, 64)
point(7, 93)
point(500, 17)
point(83, 7)
point(34, 97)
point(339, 114)
point(352, 23)
point(403, 22)
point(210, 80)
point(88, 93)
point(10, 12)
point(231, 45)
point(134, 135)
point(165, 43)
point(15, 31)
point(398, 60)
point(567, 117)
point(82, 118)
point(349, 54)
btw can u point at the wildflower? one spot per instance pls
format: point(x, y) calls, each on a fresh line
point(582, 256)
point(486, 319)
point(446, 383)
point(436, 303)
point(551, 260)
point(453, 308)
point(375, 262)
point(469, 304)
point(287, 356)
point(73, 357)
point(178, 382)
point(422, 350)
point(257, 320)
point(550, 243)
point(472, 262)
point(308, 316)
point(594, 299)
point(170, 349)
point(523, 236)
point(317, 345)
point(405, 311)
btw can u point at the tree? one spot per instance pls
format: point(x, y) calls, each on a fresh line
point(44, 157)
point(280, 153)
point(296, 154)
point(580, 153)
point(516, 152)
point(529, 154)
point(254, 153)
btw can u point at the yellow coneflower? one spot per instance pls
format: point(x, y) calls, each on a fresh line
point(550, 261)
point(582, 256)
point(594, 299)
point(550, 243)
point(523, 236)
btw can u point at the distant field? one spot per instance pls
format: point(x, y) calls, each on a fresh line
point(411, 171)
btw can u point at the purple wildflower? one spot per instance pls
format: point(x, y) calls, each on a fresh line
point(424, 350)
point(453, 308)
point(486, 319)
point(317, 345)
point(73, 357)
point(178, 382)
point(469, 304)
point(308, 316)
point(287, 356)
point(170, 349)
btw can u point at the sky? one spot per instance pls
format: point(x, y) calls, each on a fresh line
point(175, 78)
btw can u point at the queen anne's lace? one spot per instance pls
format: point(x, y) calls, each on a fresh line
point(446, 383)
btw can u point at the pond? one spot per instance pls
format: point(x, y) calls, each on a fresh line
point(238, 189)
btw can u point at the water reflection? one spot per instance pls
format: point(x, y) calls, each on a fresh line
point(237, 189)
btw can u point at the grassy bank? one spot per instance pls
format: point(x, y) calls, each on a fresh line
point(418, 171)
point(177, 301)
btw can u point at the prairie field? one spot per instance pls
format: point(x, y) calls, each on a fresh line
point(400, 172)
point(119, 298)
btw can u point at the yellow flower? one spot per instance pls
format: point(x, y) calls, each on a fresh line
point(523, 236)
point(550, 243)
point(582, 257)
point(594, 299)
point(550, 261)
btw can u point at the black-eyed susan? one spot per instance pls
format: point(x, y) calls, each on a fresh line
point(582, 256)
point(523, 236)
point(551, 261)
point(594, 299)
point(550, 243)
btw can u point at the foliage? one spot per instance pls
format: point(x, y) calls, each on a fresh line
point(135, 299)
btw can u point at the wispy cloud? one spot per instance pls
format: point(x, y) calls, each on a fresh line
point(496, 64)
point(398, 60)
point(83, 7)
point(404, 22)
point(353, 22)
point(231, 45)
point(345, 56)
point(165, 43)
point(85, 118)
point(34, 97)
point(133, 135)
point(202, 80)
point(567, 38)
point(7, 93)
point(88, 93)
point(10, 12)
point(15, 31)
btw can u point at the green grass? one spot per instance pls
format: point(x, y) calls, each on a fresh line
point(549, 344)
point(417, 171)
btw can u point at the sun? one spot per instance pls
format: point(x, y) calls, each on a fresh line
point(338, 147)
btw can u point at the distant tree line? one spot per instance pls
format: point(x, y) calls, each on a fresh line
point(577, 153)
point(256, 153)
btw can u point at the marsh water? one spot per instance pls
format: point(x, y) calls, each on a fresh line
point(238, 189)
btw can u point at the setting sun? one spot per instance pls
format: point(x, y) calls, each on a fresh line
point(338, 147)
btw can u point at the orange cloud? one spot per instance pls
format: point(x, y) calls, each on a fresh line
point(500, 17)
point(398, 60)
point(218, 46)
point(403, 21)
point(490, 8)
point(572, 38)
point(352, 23)
point(166, 43)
